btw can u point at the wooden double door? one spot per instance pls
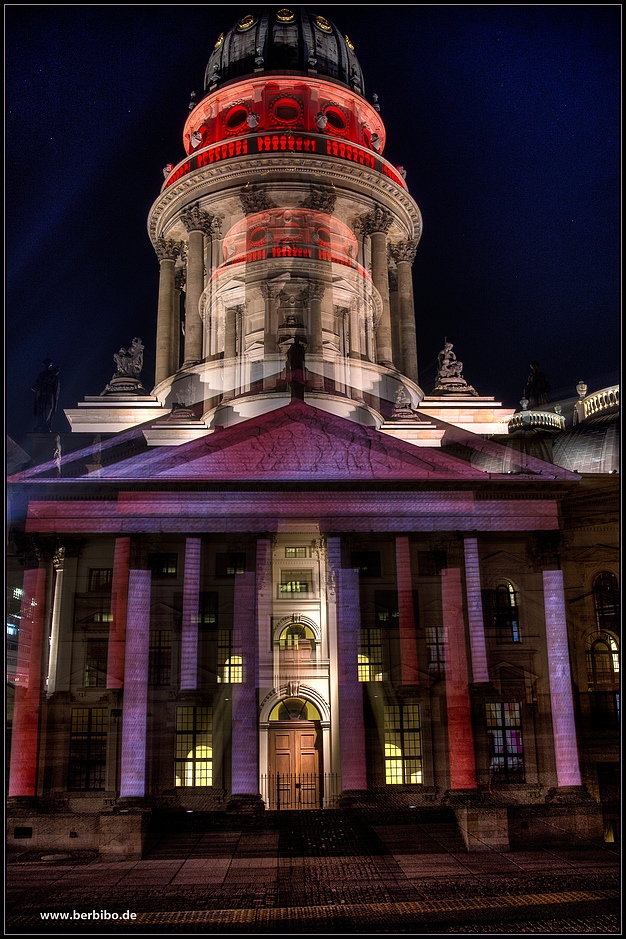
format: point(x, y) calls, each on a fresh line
point(295, 778)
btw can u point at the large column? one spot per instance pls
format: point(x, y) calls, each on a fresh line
point(404, 254)
point(197, 223)
point(191, 607)
point(264, 614)
point(408, 647)
point(59, 565)
point(460, 736)
point(135, 712)
point(180, 280)
point(564, 727)
point(245, 731)
point(270, 293)
point(316, 344)
point(167, 251)
point(352, 729)
point(25, 734)
point(480, 671)
point(119, 612)
point(377, 224)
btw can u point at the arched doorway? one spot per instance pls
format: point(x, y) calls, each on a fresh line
point(295, 778)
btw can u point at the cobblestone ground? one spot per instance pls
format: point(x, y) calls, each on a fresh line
point(320, 872)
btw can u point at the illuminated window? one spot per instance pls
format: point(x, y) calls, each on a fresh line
point(286, 110)
point(100, 579)
point(208, 609)
point(96, 663)
point(227, 565)
point(300, 581)
point(296, 646)
point(163, 566)
point(403, 745)
point(229, 659)
point(603, 678)
point(194, 746)
point(436, 649)
point(102, 616)
point(295, 709)
point(160, 657)
point(606, 599)
point(299, 552)
point(504, 732)
point(236, 117)
point(88, 742)
point(501, 611)
point(370, 658)
point(336, 118)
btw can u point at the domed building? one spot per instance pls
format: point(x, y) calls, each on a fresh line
point(287, 577)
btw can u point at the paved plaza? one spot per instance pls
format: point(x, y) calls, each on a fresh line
point(317, 873)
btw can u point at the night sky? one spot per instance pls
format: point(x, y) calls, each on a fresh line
point(506, 118)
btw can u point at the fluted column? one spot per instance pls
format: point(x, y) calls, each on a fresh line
point(167, 251)
point(197, 223)
point(406, 612)
point(270, 293)
point(460, 735)
point(58, 562)
point(180, 279)
point(135, 713)
point(119, 613)
point(404, 254)
point(480, 671)
point(376, 224)
point(316, 345)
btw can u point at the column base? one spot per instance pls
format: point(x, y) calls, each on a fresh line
point(483, 824)
point(246, 804)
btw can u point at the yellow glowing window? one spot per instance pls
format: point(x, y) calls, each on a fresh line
point(370, 658)
point(194, 746)
point(403, 745)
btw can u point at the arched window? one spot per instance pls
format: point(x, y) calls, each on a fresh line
point(603, 678)
point(606, 599)
point(296, 645)
point(503, 612)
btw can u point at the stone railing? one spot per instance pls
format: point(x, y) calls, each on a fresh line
point(600, 401)
point(526, 420)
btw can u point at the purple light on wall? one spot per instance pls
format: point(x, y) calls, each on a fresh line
point(191, 600)
point(25, 736)
point(134, 721)
point(245, 732)
point(353, 766)
point(460, 736)
point(119, 609)
point(408, 647)
point(563, 725)
point(475, 619)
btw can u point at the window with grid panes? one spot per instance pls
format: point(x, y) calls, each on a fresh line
point(194, 746)
point(227, 565)
point(403, 745)
point(96, 653)
point(299, 552)
point(436, 649)
point(100, 579)
point(370, 658)
point(163, 566)
point(229, 659)
point(88, 745)
point(504, 732)
point(160, 657)
point(300, 581)
point(603, 678)
point(606, 600)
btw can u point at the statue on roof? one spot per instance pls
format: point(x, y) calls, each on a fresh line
point(537, 388)
point(46, 389)
point(450, 374)
point(129, 364)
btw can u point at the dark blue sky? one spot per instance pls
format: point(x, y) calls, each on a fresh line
point(506, 118)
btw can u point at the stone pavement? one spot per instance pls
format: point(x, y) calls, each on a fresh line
point(318, 872)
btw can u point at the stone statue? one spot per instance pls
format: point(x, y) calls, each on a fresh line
point(46, 390)
point(449, 365)
point(450, 374)
point(537, 388)
point(129, 365)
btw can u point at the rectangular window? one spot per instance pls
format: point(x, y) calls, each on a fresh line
point(100, 579)
point(370, 659)
point(292, 581)
point(431, 563)
point(96, 663)
point(436, 649)
point(160, 657)
point(229, 659)
point(194, 746)
point(403, 745)
point(295, 552)
point(502, 613)
point(504, 731)
point(367, 562)
point(163, 566)
point(88, 744)
point(227, 565)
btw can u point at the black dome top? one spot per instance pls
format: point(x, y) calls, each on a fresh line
point(287, 39)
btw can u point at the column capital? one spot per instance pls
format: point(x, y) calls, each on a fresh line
point(195, 219)
point(271, 291)
point(379, 220)
point(167, 249)
point(254, 199)
point(403, 251)
point(316, 291)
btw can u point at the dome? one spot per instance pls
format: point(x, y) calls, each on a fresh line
point(283, 40)
point(591, 446)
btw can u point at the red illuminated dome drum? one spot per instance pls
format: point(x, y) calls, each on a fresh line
point(285, 221)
